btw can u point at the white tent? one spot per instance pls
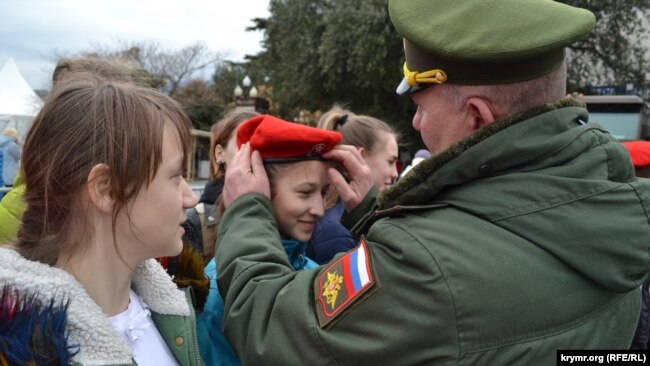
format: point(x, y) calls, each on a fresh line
point(18, 102)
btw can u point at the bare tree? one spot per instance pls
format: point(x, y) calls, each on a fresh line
point(168, 68)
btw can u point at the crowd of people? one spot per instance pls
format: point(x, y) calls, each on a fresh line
point(521, 229)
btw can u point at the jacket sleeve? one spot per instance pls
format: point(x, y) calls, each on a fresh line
point(273, 314)
point(356, 219)
point(14, 150)
point(192, 227)
point(12, 208)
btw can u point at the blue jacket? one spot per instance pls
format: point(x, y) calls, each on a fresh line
point(213, 345)
point(2, 183)
point(330, 236)
point(11, 153)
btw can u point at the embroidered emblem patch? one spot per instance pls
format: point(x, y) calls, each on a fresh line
point(332, 287)
point(343, 282)
point(317, 150)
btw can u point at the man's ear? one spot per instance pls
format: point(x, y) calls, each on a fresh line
point(99, 188)
point(481, 112)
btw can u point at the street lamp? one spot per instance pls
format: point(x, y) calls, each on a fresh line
point(245, 95)
point(238, 92)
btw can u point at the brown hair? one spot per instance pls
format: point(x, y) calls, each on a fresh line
point(357, 130)
point(89, 120)
point(220, 134)
point(107, 69)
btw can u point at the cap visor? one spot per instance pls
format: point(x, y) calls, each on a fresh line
point(405, 89)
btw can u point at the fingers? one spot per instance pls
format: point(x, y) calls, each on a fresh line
point(343, 153)
point(241, 157)
point(360, 179)
point(257, 165)
point(259, 173)
point(245, 174)
point(346, 194)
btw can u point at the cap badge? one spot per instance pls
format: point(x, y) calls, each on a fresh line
point(317, 150)
point(435, 76)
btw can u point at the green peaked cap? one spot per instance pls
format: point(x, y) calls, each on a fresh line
point(478, 42)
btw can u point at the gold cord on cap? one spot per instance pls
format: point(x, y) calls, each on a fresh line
point(414, 78)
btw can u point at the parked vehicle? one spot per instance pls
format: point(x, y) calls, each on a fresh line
point(626, 117)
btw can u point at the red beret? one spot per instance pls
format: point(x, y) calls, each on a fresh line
point(279, 140)
point(639, 152)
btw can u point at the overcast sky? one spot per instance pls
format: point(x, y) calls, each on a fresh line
point(33, 31)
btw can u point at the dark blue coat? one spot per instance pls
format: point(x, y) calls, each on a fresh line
point(330, 236)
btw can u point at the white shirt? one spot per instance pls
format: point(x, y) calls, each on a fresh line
point(137, 327)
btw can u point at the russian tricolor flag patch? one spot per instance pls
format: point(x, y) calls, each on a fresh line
point(343, 282)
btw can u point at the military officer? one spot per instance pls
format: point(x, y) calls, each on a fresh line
point(524, 233)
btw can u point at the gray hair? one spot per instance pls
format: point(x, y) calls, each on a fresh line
point(509, 99)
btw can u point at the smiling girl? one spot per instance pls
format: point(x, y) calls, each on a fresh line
point(297, 174)
point(299, 182)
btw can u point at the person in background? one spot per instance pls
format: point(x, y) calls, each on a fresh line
point(377, 144)
point(202, 220)
point(12, 207)
point(526, 231)
point(376, 141)
point(298, 175)
point(11, 150)
point(419, 157)
point(2, 183)
point(201, 234)
point(105, 195)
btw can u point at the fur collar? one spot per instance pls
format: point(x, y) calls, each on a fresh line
point(434, 163)
point(89, 326)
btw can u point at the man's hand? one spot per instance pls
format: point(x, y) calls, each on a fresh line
point(245, 174)
point(353, 192)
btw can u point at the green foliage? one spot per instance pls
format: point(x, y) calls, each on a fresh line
point(292, 39)
point(226, 77)
point(201, 103)
point(335, 51)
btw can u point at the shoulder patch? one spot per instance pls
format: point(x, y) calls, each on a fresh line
point(343, 283)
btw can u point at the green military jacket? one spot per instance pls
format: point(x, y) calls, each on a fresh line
point(530, 236)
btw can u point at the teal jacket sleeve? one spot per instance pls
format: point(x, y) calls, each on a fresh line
point(215, 349)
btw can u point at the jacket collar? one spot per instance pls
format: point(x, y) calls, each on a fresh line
point(89, 327)
point(524, 129)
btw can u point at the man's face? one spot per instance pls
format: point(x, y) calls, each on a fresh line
point(440, 121)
